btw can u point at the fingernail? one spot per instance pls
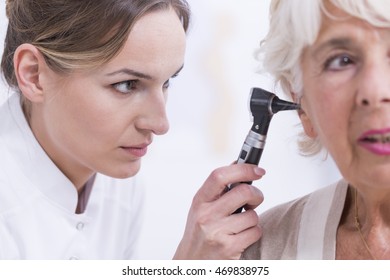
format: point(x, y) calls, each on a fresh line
point(259, 171)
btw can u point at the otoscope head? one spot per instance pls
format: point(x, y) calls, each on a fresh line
point(263, 104)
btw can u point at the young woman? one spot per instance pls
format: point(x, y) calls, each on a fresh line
point(90, 80)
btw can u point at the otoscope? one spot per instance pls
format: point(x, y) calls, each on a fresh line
point(263, 105)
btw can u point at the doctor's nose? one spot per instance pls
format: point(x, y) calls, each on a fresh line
point(154, 117)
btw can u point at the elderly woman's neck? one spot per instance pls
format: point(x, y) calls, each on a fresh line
point(372, 207)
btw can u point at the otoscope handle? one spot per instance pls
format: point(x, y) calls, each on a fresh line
point(250, 153)
point(263, 105)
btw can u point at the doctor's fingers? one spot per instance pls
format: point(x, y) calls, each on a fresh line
point(241, 195)
point(238, 223)
point(216, 183)
point(234, 233)
point(239, 242)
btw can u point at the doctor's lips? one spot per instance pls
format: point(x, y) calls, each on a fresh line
point(137, 150)
point(376, 141)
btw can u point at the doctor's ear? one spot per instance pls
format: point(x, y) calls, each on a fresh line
point(28, 66)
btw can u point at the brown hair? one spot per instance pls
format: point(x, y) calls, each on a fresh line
point(75, 34)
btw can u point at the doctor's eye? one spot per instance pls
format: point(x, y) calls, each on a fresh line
point(125, 87)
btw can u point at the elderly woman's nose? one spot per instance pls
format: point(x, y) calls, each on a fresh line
point(374, 85)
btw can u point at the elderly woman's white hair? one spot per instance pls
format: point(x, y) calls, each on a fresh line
point(294, 26)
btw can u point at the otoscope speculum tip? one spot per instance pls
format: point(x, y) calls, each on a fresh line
point(282, 105)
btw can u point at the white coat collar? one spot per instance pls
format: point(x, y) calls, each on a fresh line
point(31, 159)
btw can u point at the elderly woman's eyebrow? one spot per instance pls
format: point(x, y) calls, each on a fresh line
point(341, 43)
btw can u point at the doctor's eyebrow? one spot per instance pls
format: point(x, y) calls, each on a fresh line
point(131, 72)
point(137, 74)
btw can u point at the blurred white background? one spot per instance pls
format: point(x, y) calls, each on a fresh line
point(208, 111)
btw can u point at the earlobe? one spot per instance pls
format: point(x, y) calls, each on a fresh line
point(28, 63)
point(295, 97)
point(305, 119)
point(307, 124)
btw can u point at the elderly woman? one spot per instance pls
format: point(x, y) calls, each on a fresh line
point(333, 56)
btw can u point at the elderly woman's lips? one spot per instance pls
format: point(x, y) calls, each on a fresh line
point(376, 141)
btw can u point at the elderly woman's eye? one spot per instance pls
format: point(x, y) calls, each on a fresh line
point(338, 63)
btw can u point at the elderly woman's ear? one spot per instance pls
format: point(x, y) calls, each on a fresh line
point(305, 119)
point(307, 125)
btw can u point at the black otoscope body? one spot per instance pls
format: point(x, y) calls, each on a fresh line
point(263, 105)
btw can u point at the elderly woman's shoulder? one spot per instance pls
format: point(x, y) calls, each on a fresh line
point(289, 214)
point(281, 224)
point(279, 227)
point(284, 214)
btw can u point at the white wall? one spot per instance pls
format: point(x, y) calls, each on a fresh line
point(210, 119)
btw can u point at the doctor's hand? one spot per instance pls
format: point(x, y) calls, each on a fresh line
point(212, 231)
